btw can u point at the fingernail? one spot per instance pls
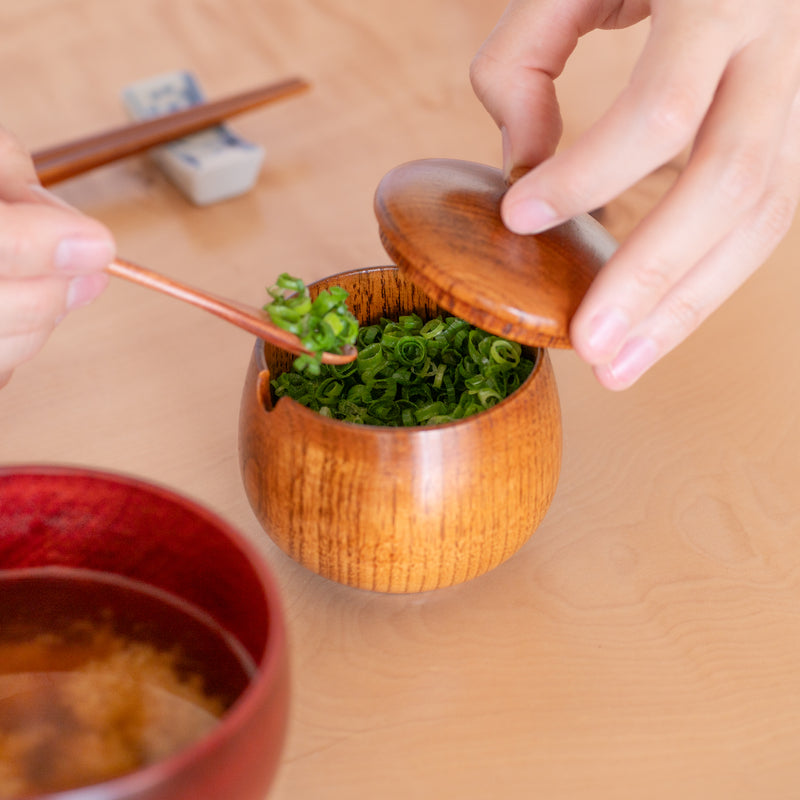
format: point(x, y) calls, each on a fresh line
point(83, 289)
point(512, 171)
point(507, 165)
point(77, 254)
point(607, 331)
point(530, 216)
point(635, 358)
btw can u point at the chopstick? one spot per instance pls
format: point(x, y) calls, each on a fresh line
point(64, 161)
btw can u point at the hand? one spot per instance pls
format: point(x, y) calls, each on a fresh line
point(51, 258)
point(722, 75)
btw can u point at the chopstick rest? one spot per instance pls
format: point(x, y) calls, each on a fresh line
point(209, 166)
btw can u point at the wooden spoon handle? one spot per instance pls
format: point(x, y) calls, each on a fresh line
point(249, 318)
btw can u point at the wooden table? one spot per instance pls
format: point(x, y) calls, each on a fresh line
point(645, 643)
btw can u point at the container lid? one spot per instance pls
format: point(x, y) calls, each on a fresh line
point(440, 222)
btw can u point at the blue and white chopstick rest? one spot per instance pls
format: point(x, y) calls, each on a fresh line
point(208, 166)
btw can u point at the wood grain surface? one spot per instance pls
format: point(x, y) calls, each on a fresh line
point(398, 509)
point(439, 220)
point(645, 642)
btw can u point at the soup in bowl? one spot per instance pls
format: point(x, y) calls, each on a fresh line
point(142, 646)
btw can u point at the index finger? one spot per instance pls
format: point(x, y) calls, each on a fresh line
point(514, 72)
point(652, 120)
point(39, 234)
point(513, 75)
point(38, 239)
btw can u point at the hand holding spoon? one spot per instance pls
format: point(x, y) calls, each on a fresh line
point(252, 319)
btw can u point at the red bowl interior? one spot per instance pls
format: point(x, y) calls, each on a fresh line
point(61, 516)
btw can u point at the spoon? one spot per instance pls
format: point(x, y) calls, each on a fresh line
point(250, 318)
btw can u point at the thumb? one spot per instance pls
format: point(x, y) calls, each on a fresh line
point(84, 244)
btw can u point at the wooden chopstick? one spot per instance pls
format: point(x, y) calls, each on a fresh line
point(63, 161)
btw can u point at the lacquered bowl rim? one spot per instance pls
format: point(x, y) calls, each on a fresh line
point(268, 667)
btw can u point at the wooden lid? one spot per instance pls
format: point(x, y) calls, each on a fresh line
point(440, 222)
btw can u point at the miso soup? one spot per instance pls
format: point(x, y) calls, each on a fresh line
point(101, 675)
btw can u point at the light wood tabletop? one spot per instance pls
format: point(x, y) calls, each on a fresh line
point(645, 642)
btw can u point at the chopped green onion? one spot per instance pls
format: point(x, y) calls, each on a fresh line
point(411, 373)
point(324, 325)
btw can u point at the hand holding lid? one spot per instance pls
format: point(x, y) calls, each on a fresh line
point(440, 221)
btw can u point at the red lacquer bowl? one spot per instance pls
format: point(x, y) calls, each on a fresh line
point(71, 517)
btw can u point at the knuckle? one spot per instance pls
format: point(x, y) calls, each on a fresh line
point(14, 254)
point(726, 11)
point(652, 276)
point(744, 174)
point(776, 216)
point(675, 116)
point(37, 305)
point(488, 74)
point(685, 312)
point(575, 188)
point(479, 69)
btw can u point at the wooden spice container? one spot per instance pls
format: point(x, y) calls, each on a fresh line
point(413, 509)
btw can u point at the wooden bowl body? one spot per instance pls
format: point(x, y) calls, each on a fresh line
point(398, 509)
point(58, 516)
